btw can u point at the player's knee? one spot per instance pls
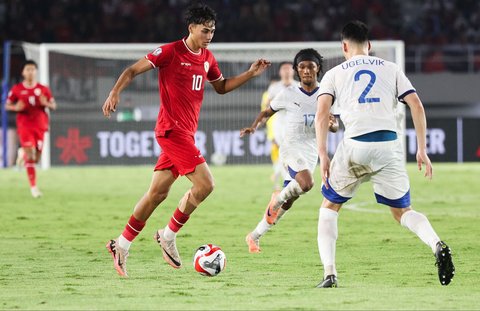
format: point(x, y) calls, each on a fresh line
point(203, 191)
point(306, 185)
point(208, 188)
point(29, 154)
point(397, 213)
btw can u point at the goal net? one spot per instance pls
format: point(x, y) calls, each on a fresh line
point(81, 76)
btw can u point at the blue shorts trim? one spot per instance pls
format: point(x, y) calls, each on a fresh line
point(402, 202)
point(285, 183)
point(332, 196)
point(377, 136)
point(292, 173)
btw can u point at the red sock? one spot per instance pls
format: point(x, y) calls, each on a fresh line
point(133, 228)
point(178, 220)
point(30, 166)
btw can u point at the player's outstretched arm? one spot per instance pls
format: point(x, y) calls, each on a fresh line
point(258, 122)
point(123, 81)
point(322, 124)
point(420, 123)
point(224, 86)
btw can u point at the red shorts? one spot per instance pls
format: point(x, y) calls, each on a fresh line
point(31, 137)
point(179, 153)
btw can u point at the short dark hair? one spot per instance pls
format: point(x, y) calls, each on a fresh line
point(29, 62)
point(308, 54)
point(200, 14)
point(355, 31)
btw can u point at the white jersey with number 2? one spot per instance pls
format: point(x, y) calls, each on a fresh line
point(366, 91)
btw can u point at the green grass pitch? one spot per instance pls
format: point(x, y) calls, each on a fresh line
point(53, 252)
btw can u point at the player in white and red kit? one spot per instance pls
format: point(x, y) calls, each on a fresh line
point(30, 100)
point(183, 68)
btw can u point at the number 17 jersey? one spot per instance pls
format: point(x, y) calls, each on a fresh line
point(366, 91)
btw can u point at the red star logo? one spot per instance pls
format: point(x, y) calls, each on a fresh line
point(73, 146)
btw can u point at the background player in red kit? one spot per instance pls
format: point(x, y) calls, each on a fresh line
point(30, 100)
point(183, 68)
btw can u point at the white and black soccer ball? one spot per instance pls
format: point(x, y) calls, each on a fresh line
point(209, 260)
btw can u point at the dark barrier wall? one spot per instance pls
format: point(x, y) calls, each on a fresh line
point(128, 143)
point(448, 140)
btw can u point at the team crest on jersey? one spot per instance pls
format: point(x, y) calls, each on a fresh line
point(206, 65)
point(37, 92)
point(157, 51)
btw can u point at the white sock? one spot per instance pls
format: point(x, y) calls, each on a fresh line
point(262, 228)
point(291, 190)
point(327, 239)
point(169, 234)
point(123, 242)
point(419, 224)
point(280, 214)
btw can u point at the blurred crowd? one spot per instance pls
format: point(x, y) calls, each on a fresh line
point(428, 24)
point(433, 22)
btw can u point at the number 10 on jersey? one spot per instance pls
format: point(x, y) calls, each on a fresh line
point(197, 82)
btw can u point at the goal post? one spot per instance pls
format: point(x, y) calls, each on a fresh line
point(81, 75)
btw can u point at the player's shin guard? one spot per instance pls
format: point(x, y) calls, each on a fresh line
point(31, 173)
point(327, 239)
point(419, 224)
point(292, 190)
point(132, 229)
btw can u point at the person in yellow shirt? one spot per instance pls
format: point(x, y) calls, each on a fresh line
point(274, 125)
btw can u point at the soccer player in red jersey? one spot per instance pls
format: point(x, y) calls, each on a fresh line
point(30, 100)
point(183, 68)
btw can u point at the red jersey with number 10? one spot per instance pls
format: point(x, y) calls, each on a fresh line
point(34, 114)
point(181, 78)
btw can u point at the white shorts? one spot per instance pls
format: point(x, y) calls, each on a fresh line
point(356, 162)
point(298, 157)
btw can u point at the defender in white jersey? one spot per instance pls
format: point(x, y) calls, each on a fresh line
point(299, 146)
point(366, 91)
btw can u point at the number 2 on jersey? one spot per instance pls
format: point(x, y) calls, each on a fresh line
point(197, 82)
point(363, 97)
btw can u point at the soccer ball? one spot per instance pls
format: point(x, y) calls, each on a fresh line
point(209, 260)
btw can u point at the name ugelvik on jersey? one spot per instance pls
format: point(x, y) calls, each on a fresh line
point(363, 61)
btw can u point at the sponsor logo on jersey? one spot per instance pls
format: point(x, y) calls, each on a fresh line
point(24, 92)
point(185, 64)
point(157, 51)
point(206, 65)
point(296, 104)
point(37, 92)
